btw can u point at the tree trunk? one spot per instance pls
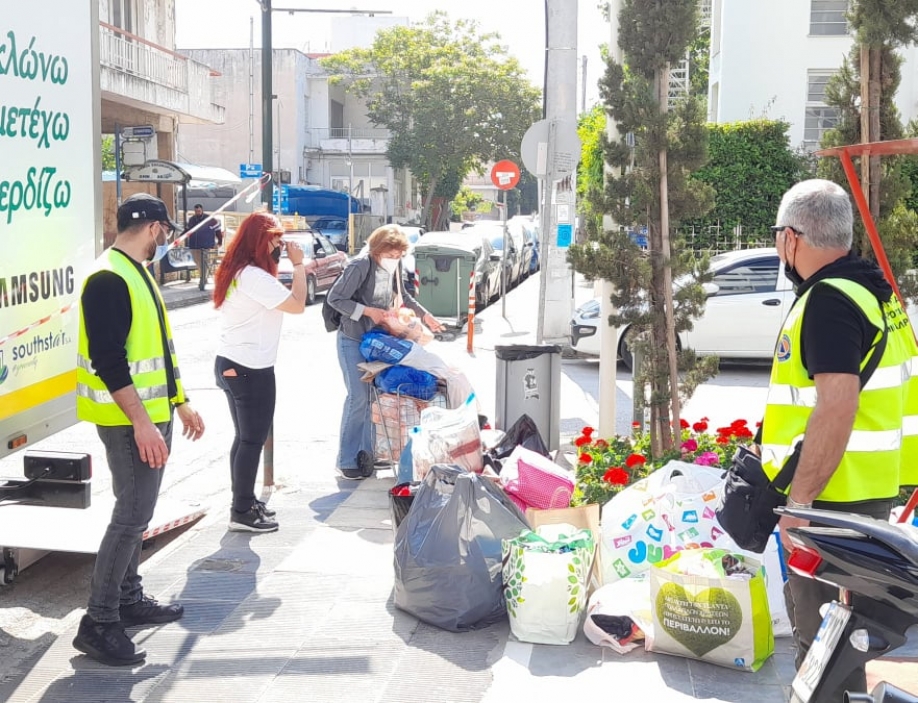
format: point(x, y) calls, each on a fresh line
point(425, 210)
point(865, 116)
point(676, 430)
point(876, 53)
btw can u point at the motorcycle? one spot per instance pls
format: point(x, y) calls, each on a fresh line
point(873, 559)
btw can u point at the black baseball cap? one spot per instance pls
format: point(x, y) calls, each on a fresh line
point(143, 207)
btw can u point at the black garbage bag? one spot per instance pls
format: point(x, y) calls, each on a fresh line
point(448, 550)
point(523, 433)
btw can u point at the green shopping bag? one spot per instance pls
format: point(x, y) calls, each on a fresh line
point(711, 604)
point(546, 576)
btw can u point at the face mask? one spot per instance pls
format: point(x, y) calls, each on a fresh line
point(389, 265)
point(791, 274)
point(275, 254)
point(160, 252)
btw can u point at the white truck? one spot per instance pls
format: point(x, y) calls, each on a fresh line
point(50, 234)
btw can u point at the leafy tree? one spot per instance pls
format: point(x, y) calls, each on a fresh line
point(591, 129)
point(750, 166)
point(451, 97)
point(670, 142)
point(896, 223)
point(467, 200)
point(108, 152)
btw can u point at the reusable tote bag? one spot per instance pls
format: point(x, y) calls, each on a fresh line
point(711, 604)
point(546, 575)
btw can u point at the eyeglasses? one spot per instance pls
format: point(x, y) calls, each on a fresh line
point(777, 229)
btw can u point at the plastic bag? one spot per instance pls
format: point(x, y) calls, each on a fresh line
point(448, 550)
point(407, 381)
point(448, 437)
point(711, 604)
point(522, 433)
point(379, 346)
point(536, 480)
point(546, 576)
point(404, 324)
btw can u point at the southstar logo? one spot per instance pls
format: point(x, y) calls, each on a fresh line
point(4, 369)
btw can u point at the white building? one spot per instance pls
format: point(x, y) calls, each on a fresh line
point(772, 59)
point(321, 133)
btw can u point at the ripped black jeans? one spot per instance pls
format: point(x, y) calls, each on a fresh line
point(251, 395)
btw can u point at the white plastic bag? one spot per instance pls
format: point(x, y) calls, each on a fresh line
point(448, 437)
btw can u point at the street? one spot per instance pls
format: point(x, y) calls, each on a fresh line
point(331, 533)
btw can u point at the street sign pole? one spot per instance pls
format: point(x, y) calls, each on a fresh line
point(503, 222)
point(504, 175)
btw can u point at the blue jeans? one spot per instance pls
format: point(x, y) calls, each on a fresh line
point(251, 394)
point(115, 580)
point(356, 421)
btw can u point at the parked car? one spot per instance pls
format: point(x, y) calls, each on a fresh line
point(335, 229)
point(323, 262)
point(531, 239)
point(748, 300)
point(513, 262)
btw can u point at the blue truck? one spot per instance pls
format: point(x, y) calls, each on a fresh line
point(326, 210)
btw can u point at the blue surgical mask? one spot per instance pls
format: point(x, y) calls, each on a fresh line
point(161, 250)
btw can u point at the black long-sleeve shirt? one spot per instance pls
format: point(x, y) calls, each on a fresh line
point(107, 314)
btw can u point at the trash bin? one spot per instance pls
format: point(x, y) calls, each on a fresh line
point(528, 380)
point(443, 273)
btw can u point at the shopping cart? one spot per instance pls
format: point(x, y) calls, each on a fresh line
point(394, 415)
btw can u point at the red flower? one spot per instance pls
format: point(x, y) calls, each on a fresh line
point(617, 476)
point(744, 433)
point(635, 424)
point(705, 419)
point(725, 431)
point(588, 431)
point(700, 426)
point(683, 423)
point(737, 424)
point(585, 458)
point(758, 424)
point(635, 460)
point(580, 441)
point(601, 444)
point(722, 440)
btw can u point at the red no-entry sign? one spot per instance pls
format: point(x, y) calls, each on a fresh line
point(505, 175)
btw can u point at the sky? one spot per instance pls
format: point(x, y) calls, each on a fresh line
point(202, 24)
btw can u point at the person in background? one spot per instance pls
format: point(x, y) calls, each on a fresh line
point(365, 294)
point(252, 303)
point(859, 444)
point(205, 238)
point(128, 384)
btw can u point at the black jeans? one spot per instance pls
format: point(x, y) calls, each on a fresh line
point(251, 394)
point(804, 597)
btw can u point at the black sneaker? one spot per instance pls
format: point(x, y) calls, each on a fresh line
point(365, 463)
point(147, 611)
point(265, 510)
point(252, 520)
point(351, 474)
point(107, 642)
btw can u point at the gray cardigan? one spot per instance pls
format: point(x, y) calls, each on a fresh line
point(352, 293)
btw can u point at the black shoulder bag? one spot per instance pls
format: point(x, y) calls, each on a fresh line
point(747, 507)
point(330, 316)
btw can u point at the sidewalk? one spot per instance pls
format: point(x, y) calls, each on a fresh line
point(180, 294)
point(306, 614)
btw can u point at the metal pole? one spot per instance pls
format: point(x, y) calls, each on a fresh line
point(267, 90)
point(583, 83)
point(351, 235)
point(545, 221)
point(503, 263)
point(251, 90)
point(118, 163)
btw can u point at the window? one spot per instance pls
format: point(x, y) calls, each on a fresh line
point(819, 117)
point(121, 14)
point(759, 276)
point(827, 17)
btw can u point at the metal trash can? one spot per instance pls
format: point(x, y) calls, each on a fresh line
point(528, 383)
point(443, 273)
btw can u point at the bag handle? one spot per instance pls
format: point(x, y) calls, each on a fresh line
point(786, 474)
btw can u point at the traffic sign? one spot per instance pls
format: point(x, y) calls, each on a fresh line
point(145, 131)
point(534, 148)
point(505, 175)
point(250, 171)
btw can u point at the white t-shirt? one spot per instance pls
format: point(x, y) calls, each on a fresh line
point(251, 324)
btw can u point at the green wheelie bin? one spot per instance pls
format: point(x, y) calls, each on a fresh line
point(445, 262)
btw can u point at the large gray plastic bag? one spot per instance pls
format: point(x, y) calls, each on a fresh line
point(447, 550)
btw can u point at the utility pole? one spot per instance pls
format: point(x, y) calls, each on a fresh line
point(558, 207)
point(251, 90)
point(267, 95)
point(608, 335)
point(583, 82)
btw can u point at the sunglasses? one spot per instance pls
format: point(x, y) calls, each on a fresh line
point(777, 229)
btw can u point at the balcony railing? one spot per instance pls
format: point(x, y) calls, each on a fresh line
point(345, 132)
point(136, 56)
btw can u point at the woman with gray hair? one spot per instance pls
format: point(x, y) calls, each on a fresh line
point(365, 295)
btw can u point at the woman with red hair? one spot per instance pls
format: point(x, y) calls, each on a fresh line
point(252, 303)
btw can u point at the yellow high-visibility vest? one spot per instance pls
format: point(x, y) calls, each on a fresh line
point(882, 451)
point(145, 353)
